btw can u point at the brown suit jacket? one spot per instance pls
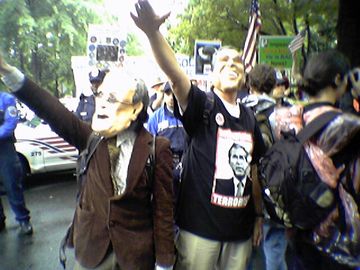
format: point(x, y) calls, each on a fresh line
point(139, 223)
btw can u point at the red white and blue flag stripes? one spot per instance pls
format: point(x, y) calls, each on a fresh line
point(250, 48)
point(297, 42)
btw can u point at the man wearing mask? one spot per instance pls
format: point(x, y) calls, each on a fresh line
point(216, 231)
point(124, 217)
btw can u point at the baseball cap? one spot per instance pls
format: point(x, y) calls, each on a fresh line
point(166, 88)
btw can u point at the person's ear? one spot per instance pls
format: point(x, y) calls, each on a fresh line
point(337, 80)
point(136, 110)
point(340, 85)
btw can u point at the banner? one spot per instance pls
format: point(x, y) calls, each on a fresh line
point(274, 50)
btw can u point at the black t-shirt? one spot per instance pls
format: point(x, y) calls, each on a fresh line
point(201, 208)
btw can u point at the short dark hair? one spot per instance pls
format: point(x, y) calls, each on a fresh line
point(321, 70)
point(263, 78)
point(236, 146)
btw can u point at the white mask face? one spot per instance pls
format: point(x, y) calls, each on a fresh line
point(114, 108)
point(228, 71)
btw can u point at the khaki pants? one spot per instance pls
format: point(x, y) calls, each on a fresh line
point(110, 263)
point(198, 253)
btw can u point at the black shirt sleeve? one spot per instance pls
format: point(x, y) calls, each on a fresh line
point(193, 115)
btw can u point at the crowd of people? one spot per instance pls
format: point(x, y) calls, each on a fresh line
point(200, 206)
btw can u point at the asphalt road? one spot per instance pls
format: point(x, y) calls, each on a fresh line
point(51, 201)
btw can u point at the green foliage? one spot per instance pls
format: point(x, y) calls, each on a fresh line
point(40, 37)
point(208, 20)
point(227, 20)
point(133, 46)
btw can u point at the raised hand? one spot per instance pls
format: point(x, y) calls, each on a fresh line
point(5, 68)
point(146, 18)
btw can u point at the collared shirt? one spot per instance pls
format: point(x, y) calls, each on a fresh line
point(125, 140)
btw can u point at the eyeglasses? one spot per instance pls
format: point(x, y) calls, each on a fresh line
point(111, 98)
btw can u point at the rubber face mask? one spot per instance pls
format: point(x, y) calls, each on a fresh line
point(114, 108)
point(228, 73)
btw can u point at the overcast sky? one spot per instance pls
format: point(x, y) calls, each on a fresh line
point(122, 9)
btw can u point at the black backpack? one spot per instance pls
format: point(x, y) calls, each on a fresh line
point(293, 193)
point(82, 165)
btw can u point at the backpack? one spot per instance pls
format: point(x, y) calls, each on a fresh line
point(82, 165)
point(293, 193)
point(262, 118)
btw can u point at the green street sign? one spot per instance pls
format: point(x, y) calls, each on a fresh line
point(273, 50)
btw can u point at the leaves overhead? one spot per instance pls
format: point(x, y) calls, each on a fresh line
point(227, 20)
point(40, 36)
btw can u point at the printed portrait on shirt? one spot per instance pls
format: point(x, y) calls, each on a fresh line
point(232, 168)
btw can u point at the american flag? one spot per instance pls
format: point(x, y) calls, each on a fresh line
point(250, 49)
point(297, 42)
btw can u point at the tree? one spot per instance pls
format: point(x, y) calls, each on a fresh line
point(227, 21)
point(133, 46)
point(41, 38)
point(348, 31)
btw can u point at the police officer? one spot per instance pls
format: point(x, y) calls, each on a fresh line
point(11, 173)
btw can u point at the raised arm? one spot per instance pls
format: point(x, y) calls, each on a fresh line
point(149, 23)
point(5, 68)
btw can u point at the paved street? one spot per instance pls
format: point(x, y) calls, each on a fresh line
point(51, 202)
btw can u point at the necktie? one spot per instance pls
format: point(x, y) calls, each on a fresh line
point(240, 189)
point(113, 152)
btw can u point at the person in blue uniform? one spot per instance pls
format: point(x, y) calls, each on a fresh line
point(11, 172)
point(164, 123)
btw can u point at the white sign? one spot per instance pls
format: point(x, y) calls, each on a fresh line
point(106, 45)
